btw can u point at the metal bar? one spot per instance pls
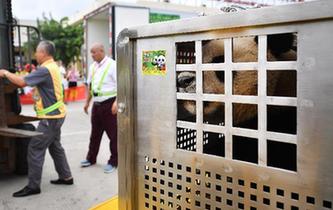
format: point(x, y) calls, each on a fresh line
point(126, 170)
point(18, 133)
point(19, 46)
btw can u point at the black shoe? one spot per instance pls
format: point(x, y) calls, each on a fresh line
point(26, 191)
point(63, 181)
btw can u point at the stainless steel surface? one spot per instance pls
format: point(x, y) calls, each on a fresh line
point(169, 178)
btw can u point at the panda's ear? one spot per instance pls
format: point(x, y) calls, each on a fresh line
point(280, 43)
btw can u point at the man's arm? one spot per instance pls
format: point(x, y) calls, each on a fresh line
point(13, 78)
point(86, 106)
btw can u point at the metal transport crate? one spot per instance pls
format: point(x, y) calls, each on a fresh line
point(274, 155)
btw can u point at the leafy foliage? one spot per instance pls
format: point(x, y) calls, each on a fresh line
point(68, 39)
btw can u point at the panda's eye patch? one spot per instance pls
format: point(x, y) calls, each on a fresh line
point(220, 75)
point(185, 81)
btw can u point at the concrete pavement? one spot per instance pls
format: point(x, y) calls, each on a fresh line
point(91, 186)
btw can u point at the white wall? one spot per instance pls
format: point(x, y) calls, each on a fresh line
point(97, 31)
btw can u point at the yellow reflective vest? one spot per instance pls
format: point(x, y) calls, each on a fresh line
point(41, 111)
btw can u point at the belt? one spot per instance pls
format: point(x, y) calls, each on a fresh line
point(105, 102)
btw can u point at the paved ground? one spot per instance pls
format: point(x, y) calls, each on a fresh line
point(91, 186)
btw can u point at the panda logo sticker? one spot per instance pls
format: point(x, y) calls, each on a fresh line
point(154, 62)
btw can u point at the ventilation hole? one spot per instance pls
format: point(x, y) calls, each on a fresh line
point(218, 187)
point(229, 179)
point(327, 204)
point(179, 197)
point(251, 78)
point(146, 159)
point(188, 189)
point(253, 185)
point(146, 177)
point(197, 203)
point(266, 201)
point(162, 182)
point(154, 189)
point(241, 194)
point(154, 199)
point(154, 208)
point(154, 170)
point(162, 201)
point(294, 196)
point(229, 190)
point(179, 177)
point(294, 208)
point(146, 168)
point(207, 174)
point(207, 207)
point(310, 199)
point(197, 171)
point(245, 149)
point(147, 195)
point(266, 189)
point(240, 205)
point(162, 162)
point(162, 191)
point(147, 205)
point(146, 187)
point(170, 174)
point(218, 199)
point(188, 200)
point(170, 194)
point(188, 169)
point(170, 164)
point(179, 167)
point(207, 195)
point(229, 202)
point(154, 179)
point(253, 208)
point(197, 192)
point(218, 176)
point(253, 197)
point(179, 187)
point(241, 182)
point(185, 53)
point(170, 184)
point(280, 192)
point(208, 184)
point(162, 172)
point(245, 115)
point(170, 204)
point(217, 208)
point(188, 179)
point(197, 181)
point(279, 205)
point(154, 160)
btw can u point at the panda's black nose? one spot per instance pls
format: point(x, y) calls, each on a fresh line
point(185, 81)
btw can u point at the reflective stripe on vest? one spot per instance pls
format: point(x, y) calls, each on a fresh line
point(42, 112)
point(99, 87)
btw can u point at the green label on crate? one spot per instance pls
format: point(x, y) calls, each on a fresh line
point(154, 62)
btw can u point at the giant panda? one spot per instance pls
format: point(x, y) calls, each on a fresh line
point(280, 47)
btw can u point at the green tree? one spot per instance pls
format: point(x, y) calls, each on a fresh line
point(68, 39)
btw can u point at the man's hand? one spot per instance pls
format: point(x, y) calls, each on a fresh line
point(2, 73)
point(86, 107)
point(114, 108)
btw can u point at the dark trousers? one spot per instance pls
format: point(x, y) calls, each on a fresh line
point(38, 145)
point(102, 120)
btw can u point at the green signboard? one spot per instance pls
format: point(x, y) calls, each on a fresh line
point(159, 17)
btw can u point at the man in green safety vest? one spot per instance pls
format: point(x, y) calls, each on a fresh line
point(102, 83)
point(51, 110)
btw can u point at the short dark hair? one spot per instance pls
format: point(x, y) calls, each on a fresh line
point(48, 47)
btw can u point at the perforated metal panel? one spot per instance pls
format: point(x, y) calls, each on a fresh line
point(274, 155)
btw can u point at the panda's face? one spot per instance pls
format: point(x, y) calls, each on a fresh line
point(245, 49)
point(160, 61)
point(155, 60)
